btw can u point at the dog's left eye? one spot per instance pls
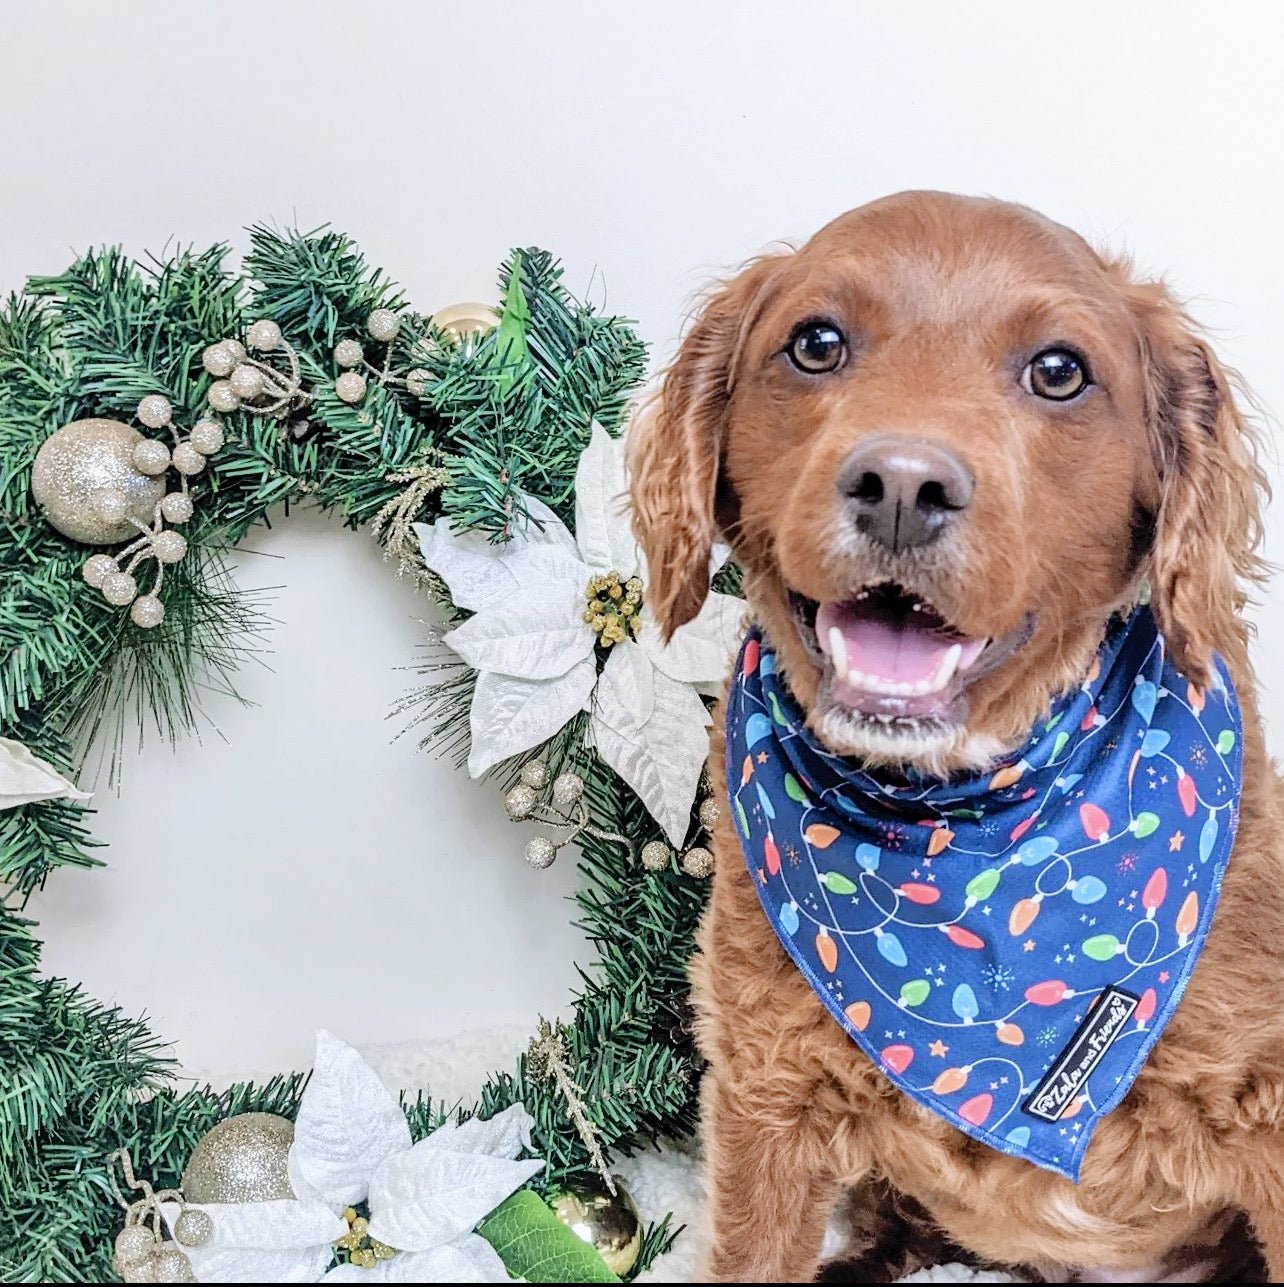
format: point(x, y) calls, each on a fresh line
point(1058, 374)
point(817, 347)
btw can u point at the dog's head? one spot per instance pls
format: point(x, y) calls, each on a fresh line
point(946, 440)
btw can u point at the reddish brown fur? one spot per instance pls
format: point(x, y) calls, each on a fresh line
point(945, 293)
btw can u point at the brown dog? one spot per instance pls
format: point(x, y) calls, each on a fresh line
point(1060, 437)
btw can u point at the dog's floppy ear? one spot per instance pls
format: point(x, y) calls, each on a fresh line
point(675, 450)
point(1204, 560)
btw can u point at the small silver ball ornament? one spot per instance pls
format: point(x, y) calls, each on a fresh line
point(134, 1244)
point(519, 801)
point(194, 1228)
point(246, 382)
point(383, 325)
point(264, 335)
point(147, 612)
point(143, 1272)
point(172, 1265)
point(697, 862)
point(155, 411)
point(187, 460)
point(417, 381)
point(568, 788)
point(223, 397)
point(540, 852)
point(110, 504)
point(710, 813)
point(241, 1159)
point(169, 547)
point(236, 349)
point(350, 387)
point(98, 567)
point(151, 456)
point(349, 353)
point(119, 588)
point(82, 459)
point(177, 507)
point(207, 437)
point(656, 855)
point(535, 774)
point(218, 359)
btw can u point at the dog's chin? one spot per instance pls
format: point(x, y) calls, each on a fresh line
point(894, 679)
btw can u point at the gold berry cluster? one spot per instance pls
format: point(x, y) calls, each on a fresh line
point(614, 608)
point(363, 1250)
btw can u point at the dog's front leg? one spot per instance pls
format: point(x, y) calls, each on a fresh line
point(771, 1192)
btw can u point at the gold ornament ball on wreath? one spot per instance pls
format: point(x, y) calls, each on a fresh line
point(608, 1222)
point(242, 1159)
point(78, 464)
point(465, 321)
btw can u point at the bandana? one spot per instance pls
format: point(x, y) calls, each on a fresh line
point(1007, 948)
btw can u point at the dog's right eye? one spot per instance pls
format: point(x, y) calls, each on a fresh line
point(817, 347)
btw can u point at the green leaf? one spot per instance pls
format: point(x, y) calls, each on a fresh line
point(534, 1244)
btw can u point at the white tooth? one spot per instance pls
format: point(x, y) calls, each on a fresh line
point(857, 680)
point(838, 653)
point(945, 671)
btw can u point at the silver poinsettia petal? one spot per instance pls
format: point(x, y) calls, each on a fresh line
point(511, 715)
point(602, 528)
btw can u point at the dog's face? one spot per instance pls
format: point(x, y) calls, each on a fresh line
point(946, 440)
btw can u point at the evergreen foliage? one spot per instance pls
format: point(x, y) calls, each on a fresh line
point(505, 414)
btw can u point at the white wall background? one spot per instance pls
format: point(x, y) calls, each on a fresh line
point(304, 870)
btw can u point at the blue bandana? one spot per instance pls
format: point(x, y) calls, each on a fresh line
point(1006, 948)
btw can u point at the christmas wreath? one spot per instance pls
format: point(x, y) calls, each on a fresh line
point(150, 415)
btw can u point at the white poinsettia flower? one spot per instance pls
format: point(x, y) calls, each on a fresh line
point(352, 1145)
point(25, 778)
point(536, 654)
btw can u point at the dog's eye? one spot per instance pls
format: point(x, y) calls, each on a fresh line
point(1058, 374)
point(817, 347)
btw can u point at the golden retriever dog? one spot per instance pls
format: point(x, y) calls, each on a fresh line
point(960, 409)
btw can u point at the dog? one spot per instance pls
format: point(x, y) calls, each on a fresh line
point(956, 417)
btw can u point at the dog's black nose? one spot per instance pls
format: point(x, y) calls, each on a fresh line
point(904, 492)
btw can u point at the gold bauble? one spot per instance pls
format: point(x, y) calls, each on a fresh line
point(80, 461)
point(242, 1159)
point(465, 321)
point(607, 1222)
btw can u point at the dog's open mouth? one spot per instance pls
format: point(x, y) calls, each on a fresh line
point(890, 655)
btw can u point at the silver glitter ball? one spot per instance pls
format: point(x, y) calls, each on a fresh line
point(384, 324)
point(350, 387)
point(697, 862)
point(535, 775)
point(151, 457)
point(236, 349)
point(349, 353)
point(83, 459)
point(656, 855)
point(218, 359)
point(172, 1265)
point(207, 437)
point(147, 612)
point(169, 547)
point(417, 381)
point(223, 397)
point(187, 460)
point(568, 788)
point(710, 813)
point(155, 411)
point(194, 1228)
point(540, 852)
point(263, 335)
point(110, 504)
point(246, 382)
point(98, 567)
point(134, 1244)
point(176, 507)
point(143, 1272)
point(242, 1159)
point(519, 801)
point(119, 588)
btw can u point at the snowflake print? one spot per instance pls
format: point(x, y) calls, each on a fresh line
point(1127, 862)
point(997, 977)
point(1198, 756)
point(1047, 1036)
point(893, 837)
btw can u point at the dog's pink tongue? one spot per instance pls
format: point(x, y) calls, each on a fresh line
point(880, 646)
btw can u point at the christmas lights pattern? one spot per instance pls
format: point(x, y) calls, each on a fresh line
point(962, 931)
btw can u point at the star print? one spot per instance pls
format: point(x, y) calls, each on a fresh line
point(887, 1032)
point(1003, 1081)
point(986, 910)
point(931, 878)
point(940, 983)
point(994, 1085)
point(1132, 907)
point(939, 1049)
point(1163, 778)
point(1028, 945)
point(1057, 959)
point(927, 862)
point(1164, 976)
point(1150, 770)
point(1153, 785)
point(1175, 842)
point(900, 1032)
point(1070, 958)
point(762, 757)
point(916, 873)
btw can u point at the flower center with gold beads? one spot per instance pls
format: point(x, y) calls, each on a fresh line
point(362, 1250)
point(614, 608)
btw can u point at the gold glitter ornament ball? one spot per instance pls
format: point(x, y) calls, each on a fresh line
point(242, 1159)
point(608, 1222)
point(697, 862)
point(78, 463)
point(465, 321)
point(656, 855)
